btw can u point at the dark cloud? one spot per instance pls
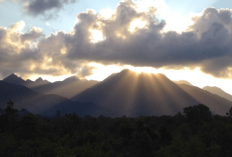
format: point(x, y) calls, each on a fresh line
point(206, 44)
point(207, 41)
point(42, 7)
point(46, 8)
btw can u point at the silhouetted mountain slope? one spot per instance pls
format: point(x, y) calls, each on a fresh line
point(218, 91)
point(182, 82)
point(125, 93)
point(34, 102)
point(132, 94)
point(28, 83)
point(217, 104)
point(66, 88)
point(14, 79)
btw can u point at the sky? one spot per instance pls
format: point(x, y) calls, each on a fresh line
point(55, 39)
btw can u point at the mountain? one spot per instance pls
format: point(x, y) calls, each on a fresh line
point(125, 93)
point(14, 79)
point(37, 103)
point(216, 103)
point(132, 94)
point(28, 83)
point(37, 83)
point(218, 91)
point(66, 88)
point(182, 82)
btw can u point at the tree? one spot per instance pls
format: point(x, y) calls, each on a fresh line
point(11, 115)
point(58, 114)
point(197, 114)
point(29, 127)
point(229, 113)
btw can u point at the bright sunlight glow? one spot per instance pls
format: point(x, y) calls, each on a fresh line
point(96, 36)
point(194, 76)
point(137, 24)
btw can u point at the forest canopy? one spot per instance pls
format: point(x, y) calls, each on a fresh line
point(195, 132)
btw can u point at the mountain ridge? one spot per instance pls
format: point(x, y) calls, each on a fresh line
point(43, 104)
point(61, 88)
point(218, 91)
point(128, 93)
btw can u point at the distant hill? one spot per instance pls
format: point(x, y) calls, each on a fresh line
point(66, 88)
point(132, 94)
point(182, 82)
point(218, 91)
point(37, 103)
point(216, 103)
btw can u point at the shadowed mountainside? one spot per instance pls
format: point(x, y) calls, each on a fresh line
point(132, 94)
point(66, 88)
point(14, 79)
point(218, 91)
point(37, 103)
point(125, 93)
point(217, 104)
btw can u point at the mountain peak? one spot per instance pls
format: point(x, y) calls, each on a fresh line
point(183, 82)
point(218, 91)
point(71, 79)
point(28, 80)
point(14, 79)
point(134, 94)
point(13, 75)
point(39, 79)
point(125, 71)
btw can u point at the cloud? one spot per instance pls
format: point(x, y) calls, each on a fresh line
point(46, 8)
point(42, 7)
point(206, 43)
point(19, 53)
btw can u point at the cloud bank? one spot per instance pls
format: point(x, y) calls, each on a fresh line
point(118, 39)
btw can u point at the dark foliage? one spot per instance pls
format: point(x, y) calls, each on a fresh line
point(196, 132)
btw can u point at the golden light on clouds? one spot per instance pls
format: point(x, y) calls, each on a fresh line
point(12, 38)
point(120, 35)
point(63, 51)
point(17, 27)
point(32, 67)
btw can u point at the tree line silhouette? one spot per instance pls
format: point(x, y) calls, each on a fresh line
point(195, 132)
